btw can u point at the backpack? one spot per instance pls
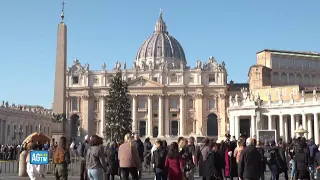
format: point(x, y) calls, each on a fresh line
point(59, 156)
point(188, 165)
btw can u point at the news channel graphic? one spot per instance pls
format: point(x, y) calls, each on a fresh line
point(39, 157)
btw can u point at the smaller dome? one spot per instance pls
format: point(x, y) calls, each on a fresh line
point(160, 47)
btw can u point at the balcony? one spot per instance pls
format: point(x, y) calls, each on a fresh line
point(142, 109)
point(174, 109)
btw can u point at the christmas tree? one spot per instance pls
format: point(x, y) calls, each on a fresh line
point(118, 110)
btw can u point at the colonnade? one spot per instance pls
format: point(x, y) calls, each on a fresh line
point(309, 122)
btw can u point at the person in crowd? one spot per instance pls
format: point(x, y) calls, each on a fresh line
point(82, 152)
point(61, 159)
point(301, 161)
point(139, 145)
point(238, 150)
point(291, 152)
point(95, 159)
point(190, 159)
point(181, 145)
point(204, 150)
point(213, 164)
point(317, 164)
point(249, 161)
point(227, 150)
point(119, 170)
point(129, 159)
point(260, 148)
point(34, 171)
point(283, 166)
point(165, 145)
point(273, 157)
point(147, 152)
point(112, 161)
point(174, 163)
point(158, 161)
point(313, 149)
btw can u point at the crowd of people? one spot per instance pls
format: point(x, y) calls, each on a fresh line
point(244, 159)
point(9, 152)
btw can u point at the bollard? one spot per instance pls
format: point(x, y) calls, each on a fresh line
point(23, 164)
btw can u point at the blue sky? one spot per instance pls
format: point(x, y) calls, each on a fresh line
point(109, 31)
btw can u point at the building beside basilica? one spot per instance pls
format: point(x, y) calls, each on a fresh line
point(19, 121)
point(169, 98)
point(283, 95)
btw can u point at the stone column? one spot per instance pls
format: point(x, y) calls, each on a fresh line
point(150, 112)
point(316, 128)
point(285, 128)
point(292, 125)
point(160, 122)
point(199, 113)
point(232, 125)
point(309, 124)
point(182, 115)
point(134, 113)
point(304, 123)
point(166, 116)
point(297, 124)
point(253, 126)
point(237, 127)
point(102, 114)
point(281, 126)
point(86, 114)
point(270, 122)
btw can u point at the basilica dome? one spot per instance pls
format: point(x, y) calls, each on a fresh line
point(160, 49)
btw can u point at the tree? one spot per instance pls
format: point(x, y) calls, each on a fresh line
point(119, 120)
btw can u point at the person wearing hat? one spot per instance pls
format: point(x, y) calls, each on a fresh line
point(227, 151)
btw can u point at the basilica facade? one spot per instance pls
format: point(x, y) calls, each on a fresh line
point(169, 97)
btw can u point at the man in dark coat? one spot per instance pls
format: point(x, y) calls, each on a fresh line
point(250, 160)
point(230, 164)
point(139, 145)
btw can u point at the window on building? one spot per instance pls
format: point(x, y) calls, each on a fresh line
point(74, 103)
point(174, 79)
point(96, 105)
point(174, 128)
point(191, 79)
point(142, 102)
point(155, 79)
point(174, 103)
point(174, 115)
point(191, 104)
point(142, 128)
point(212, 78)
point(212, 104)
point(96, 80)
point(155, 115)
point(155, 104)
point(75, 80)
point(257, 74)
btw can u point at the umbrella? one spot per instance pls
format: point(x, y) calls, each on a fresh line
point(37, 137)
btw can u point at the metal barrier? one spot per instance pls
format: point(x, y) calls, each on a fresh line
point(12, 167)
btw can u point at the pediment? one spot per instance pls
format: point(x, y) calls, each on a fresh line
point(143, 82)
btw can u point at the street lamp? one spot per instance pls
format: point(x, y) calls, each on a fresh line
point(19, 132)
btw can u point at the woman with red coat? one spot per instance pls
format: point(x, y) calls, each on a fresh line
point(174, 163)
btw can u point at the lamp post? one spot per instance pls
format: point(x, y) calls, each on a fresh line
point(19, 132)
